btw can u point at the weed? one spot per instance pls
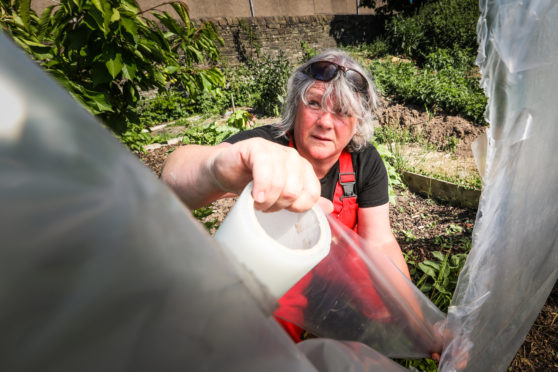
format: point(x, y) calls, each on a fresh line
point(409, 236)
point(210, 134)
point(394, 179)
point(451, 144)
point(202, 213)
point(162, 137)
point(240, 119)
point(453, 229)
point(135, 138)
point(307, 52)
point(271, 74)
point(164, 107)
point(425, 364)
point(439, 277)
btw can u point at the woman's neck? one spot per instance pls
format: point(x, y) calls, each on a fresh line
point(322, 167)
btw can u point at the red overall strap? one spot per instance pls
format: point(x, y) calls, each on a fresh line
point(345, 207)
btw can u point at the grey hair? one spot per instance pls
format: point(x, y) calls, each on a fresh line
point(359, 105)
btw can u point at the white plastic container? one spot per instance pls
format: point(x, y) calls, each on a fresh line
point(278, 248)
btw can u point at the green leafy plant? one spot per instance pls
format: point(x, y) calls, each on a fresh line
point(105, 52)
point(377, 49)
point(162, 137)
point(409, 236)
point(439, 277)
point(202, 213)
point(451, 144)
point(240, 90)
point(449, 24)
point(425, 365)
point(454, 91)
point(164, 107)
point(271, 75)
point(307, 51)
point(240, 119)
point(394, 178)
point(241, 84)
point(209, 134)
point(135, 138)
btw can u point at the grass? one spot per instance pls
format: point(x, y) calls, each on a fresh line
point(439, 164)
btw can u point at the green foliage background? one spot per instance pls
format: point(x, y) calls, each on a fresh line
point(106, 51)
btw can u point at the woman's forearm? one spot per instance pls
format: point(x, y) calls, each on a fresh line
point(188, 172)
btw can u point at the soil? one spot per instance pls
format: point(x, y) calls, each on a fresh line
point(422, 225)
point(437, 129)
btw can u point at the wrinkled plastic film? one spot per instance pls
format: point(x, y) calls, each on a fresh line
point(101, 267)
point(334, 356)
point(512, 266)
point(356, 293)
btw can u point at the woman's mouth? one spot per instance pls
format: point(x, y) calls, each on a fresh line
point(320, 138)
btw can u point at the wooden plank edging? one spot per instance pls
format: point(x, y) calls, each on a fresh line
point(441, 190)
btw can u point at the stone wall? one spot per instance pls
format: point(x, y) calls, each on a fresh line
point(243, 36)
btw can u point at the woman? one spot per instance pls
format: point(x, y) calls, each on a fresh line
point(320, 148)
point(328, 112)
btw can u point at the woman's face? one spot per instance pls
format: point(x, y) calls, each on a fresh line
point(320, 135)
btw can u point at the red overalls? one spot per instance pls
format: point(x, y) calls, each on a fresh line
point(345, 209)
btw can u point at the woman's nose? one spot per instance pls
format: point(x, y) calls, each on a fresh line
point(325, 119)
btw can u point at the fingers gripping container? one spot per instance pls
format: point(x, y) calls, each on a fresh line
point(276, 248)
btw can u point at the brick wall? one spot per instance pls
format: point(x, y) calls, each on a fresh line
point(285, 33)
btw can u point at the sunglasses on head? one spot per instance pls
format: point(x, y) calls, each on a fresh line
point(327, 70)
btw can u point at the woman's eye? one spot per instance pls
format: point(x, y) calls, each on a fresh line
point(314, 104)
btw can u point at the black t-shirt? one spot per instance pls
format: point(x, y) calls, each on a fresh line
point(371, 174)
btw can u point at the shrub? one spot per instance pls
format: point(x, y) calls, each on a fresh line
point(448, 24)
point(164, 107)
point(271, 75)
point(104, 52)
point(241, 85)
point(377, 49)
point(406, 35)
point(452, 90)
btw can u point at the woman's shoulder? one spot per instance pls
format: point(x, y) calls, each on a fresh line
point(366, 153)
point(368, 163)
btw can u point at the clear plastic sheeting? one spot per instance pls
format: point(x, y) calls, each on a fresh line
point(356, 293)
point(332, 356)
point(513, 264)
point(101, 267)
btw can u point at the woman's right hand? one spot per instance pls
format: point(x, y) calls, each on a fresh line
point(282, 178)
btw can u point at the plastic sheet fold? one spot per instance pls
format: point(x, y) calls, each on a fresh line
point(513, 264)
point(103, 269)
